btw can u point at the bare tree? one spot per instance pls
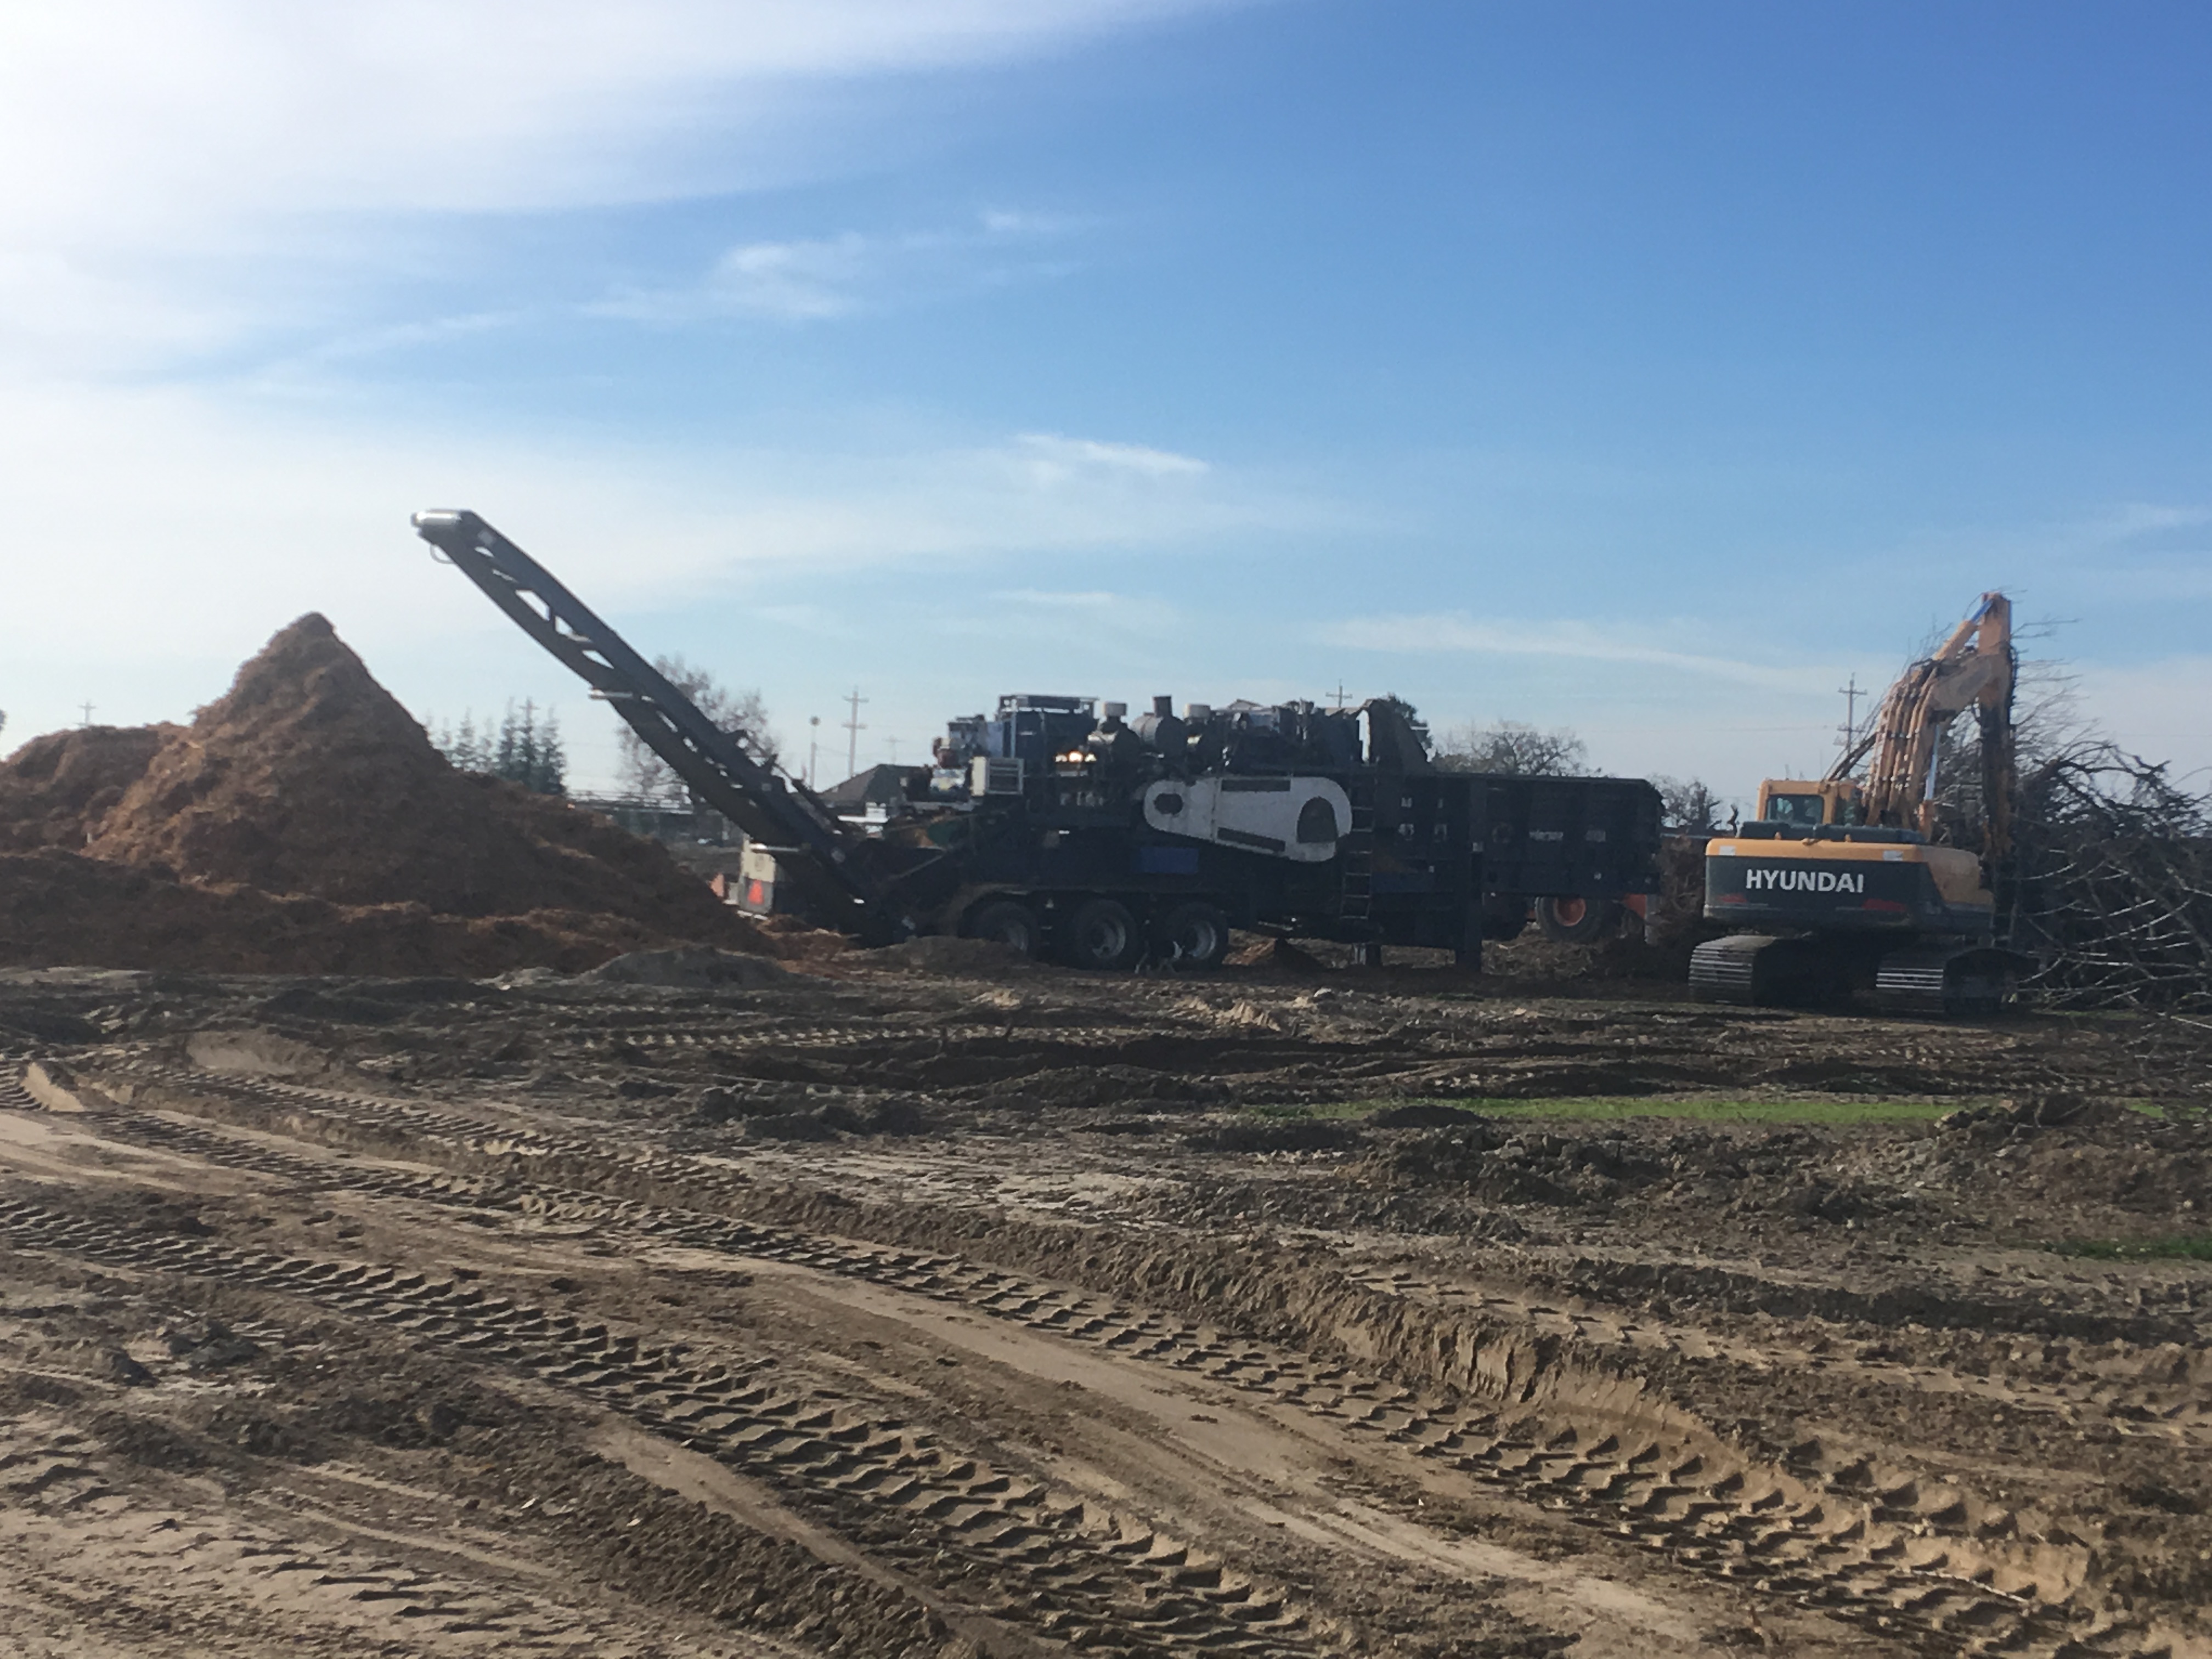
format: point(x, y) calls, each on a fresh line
point(740, 713)
point(1512, 746)
point(1688, 807)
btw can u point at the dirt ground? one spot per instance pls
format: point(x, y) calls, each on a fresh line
point(935, 1304)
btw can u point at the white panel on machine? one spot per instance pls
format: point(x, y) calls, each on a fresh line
point(1297, 818)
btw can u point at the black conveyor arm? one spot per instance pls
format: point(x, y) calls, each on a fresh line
point(767, 807)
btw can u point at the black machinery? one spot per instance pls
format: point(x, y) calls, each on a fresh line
point(1054, 823)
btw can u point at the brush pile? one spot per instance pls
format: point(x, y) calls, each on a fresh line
point(2113, 896)
point(304, 824)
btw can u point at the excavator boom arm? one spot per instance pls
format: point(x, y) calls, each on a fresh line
point(1972, 668)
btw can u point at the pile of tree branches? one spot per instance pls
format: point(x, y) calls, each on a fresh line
point(2110, 886)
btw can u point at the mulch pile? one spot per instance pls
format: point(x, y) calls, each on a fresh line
point(54, 787)
point(304, 824)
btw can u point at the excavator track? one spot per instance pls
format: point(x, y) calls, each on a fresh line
point(1758, 970)
point(1958, 980)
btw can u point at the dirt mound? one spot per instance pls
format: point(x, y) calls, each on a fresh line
point(1295, 1135)
point(937, 954)
point(58, 910)
point(56, 789)
point(304, 824)
point(1426, 1115)
point(2056, 1149)
point(1260, 950)
point(697, 968)
point(307, 777)
point(1092, 1086)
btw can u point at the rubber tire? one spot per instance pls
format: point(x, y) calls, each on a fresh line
point(1102, 936)
point(1194, 937)
point(1576, 921)
point(1005, 921)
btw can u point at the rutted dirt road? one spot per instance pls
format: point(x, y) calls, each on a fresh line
point(1018, 1313)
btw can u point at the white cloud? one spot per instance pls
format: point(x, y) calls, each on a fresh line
point(808, 280)
point(1097, 600)
point(791, 279)
point(154, 111)
point(165, 526)
point(1575, 639)
point(162, 159)
point(1073, 616)
point(1051, 460)
point(2134, 519)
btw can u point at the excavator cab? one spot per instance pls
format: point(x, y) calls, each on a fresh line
point(1802, 806)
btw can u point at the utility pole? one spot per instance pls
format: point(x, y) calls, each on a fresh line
point(892, 744)
point(813, 743)
point(1851, 693)
point(853, 727)
point(1339, 695)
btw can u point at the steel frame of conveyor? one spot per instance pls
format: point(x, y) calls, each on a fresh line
point(767, 807)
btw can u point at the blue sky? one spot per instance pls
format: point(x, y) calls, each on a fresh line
point(1646, 370)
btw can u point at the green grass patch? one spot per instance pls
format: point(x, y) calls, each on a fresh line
point(1607, 1109)
point(1289, 1113)
point(2177, 1246)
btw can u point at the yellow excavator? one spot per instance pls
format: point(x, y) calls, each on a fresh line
point(1850, 883)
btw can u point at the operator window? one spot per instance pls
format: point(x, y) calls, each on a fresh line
point(1799, 811)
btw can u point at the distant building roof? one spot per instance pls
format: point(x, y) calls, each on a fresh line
point(875, 786)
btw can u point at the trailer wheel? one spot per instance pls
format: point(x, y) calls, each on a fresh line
point(1101, 935)
point(1005, 921)
point(1574, 921)
point(1194, 937)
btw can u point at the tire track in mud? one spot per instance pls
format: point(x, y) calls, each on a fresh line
point(60, 1502)
point(1070, 1570)
point(2175, 1415)
point(882, 1058)
point(1485, 1055)
point(1836, 1534)
point(13, 1096)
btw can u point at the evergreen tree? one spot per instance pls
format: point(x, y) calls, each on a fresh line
point(523, 750)
point(549, 776)
point(466, 749)
point(516, 751)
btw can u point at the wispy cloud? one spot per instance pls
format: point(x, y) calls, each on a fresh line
point(809, 280)
point(177, 175)
point(1051, 460)
point(1094, 601)
point(114, 109)
point(214, 520)
point(2132, 519)
point(1079, 613)
point(1453, 632)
